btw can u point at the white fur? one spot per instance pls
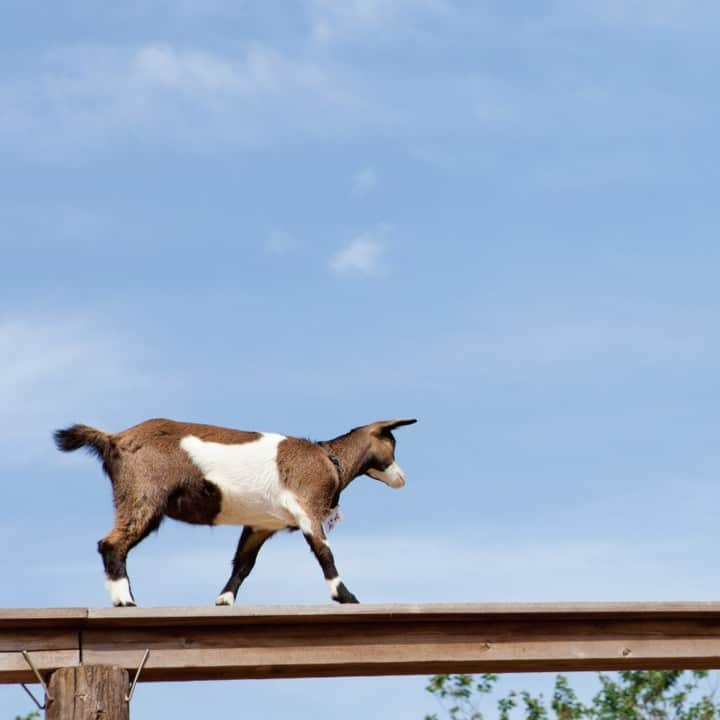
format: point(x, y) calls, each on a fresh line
point(392, 475)
point(119, 591)
point(249, 482)
point(225, 599)
point(333, 585)
point(301, 517)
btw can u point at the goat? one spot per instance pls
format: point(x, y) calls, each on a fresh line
point(208, 475)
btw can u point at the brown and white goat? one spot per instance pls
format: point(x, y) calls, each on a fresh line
point(210, 475)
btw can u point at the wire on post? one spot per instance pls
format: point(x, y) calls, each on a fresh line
point(39, 677)
point(128, 697)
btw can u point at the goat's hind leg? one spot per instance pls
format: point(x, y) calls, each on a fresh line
point(114, 548)
point(251, 540)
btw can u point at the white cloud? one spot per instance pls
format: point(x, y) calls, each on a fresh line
point(280, 242)
point(114, 72)
point(163, 66)
point(190, 95)
point(364, 181)
point(335, 19)
point(52, 371)
point(80, 97)
point(363, 254)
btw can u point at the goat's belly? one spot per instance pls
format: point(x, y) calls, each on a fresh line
point(256, 510)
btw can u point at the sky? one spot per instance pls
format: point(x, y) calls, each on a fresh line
point(498, 217)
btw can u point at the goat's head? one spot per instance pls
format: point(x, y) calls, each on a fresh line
point(381, 463)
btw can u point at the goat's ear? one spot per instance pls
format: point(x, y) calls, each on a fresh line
point(387, 425)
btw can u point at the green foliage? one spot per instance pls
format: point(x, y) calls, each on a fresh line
point(629, 695)
point(456, 694)
point(31, 716)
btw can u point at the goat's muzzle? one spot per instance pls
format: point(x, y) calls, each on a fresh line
point(393, 476)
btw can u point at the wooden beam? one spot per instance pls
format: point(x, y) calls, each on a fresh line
point(320, 641)
point(50, 636)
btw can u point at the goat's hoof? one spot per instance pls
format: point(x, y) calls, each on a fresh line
point(125, 604)
point(344, 595)
point(227, 598)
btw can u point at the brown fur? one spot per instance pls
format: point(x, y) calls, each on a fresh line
point(153, 470)
point(306, 469)
point(364, 448)
point(152, 476)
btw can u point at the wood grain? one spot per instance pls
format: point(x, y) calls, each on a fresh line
point(88, 692)
point(319, 641)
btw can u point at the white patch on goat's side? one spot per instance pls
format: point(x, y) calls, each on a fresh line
point(333, 585)
point(392, 475)
point(226, 598)
point(119, 591)
point(248, 478)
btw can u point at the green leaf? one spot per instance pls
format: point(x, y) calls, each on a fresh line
point(627, 695)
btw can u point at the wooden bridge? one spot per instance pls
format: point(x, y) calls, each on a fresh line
point(351, 640)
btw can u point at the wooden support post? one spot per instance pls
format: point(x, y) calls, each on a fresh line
point(88, 692)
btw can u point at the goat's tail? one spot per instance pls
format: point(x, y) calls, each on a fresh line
point(77, 436)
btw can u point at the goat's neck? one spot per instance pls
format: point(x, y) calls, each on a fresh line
point(353, 453)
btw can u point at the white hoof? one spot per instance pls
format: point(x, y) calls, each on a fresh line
point(225, 599)
point(119, 591)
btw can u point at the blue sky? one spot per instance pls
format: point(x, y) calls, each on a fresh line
point(500, 218)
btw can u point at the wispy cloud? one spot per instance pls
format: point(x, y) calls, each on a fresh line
point(52, 370)
point(364, 181)
point(332, 20)
point(198, 96)
point(364, 254)
point(84, 96)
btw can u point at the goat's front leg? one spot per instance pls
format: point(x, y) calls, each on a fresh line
point(318, 544)
point(251, 540)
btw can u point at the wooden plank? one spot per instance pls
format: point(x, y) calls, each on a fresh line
point(13, 641)
point(317, 613)
point(49, 649)
point(51, 638)
point(14, 668)
point(61, 617)
point(382, 640)
point(41, 617)
point(319, 641)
